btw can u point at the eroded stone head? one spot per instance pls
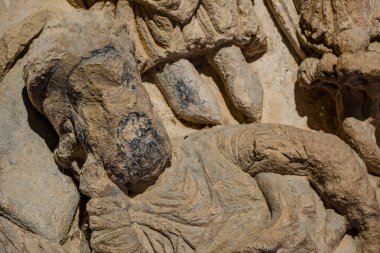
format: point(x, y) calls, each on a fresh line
point(93, 96)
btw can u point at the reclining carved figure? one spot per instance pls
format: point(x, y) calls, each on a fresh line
point(219, 190)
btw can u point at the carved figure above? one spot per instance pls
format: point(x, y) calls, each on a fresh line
point(334, 26)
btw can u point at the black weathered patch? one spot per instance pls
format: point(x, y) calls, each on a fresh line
point(184, 93)
point(116, 172)
point(129, 75)
point(140, 146)
point(97, 52)
point(81, 132)
point(83, 138)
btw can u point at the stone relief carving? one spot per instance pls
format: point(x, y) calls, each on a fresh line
point(167, 34)
point(338, 44)
point(233, 188)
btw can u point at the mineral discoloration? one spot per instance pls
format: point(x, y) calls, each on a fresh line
point(140, 145)
point(185, 93)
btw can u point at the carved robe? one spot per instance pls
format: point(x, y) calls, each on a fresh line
point(175, 29)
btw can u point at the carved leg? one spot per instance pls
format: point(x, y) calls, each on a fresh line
point(241, 85)
point(361, 137)
point(187, 94)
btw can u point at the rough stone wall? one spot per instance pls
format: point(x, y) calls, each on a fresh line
point(189, 126)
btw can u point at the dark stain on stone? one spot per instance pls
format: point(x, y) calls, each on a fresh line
point(72, 95)
point(129, 75)
point(101, 51)
point(80, 131)
point(184, 93)
point(39, 124)
point(83, 137)
point(140, 146)
point(116, 172)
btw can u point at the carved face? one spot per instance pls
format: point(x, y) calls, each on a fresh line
point(92, 94)
point(114, 120)
point(111, 116)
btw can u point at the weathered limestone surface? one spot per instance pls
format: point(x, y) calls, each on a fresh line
point(184, 126)
point(33, 191)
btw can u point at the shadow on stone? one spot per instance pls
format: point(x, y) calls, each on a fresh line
point(39, 124)
point(319, 108)
point(204, 68)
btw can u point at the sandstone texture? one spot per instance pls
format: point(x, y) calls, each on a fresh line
point(189, 126)
point(34, 193)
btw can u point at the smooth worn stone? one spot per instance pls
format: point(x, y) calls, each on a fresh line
point(34, 193)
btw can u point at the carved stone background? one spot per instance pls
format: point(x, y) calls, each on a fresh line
point(189, 126)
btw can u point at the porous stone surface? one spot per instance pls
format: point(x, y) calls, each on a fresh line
point(189, 126)
point(34, 193)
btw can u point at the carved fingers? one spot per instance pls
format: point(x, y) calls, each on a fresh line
point(361, 137)
point(214, 27)
point(307, 71)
